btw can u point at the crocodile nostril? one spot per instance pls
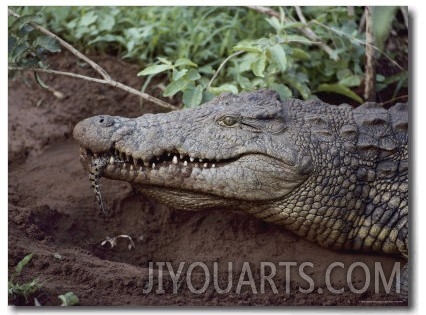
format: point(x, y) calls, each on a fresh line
point(101, 120)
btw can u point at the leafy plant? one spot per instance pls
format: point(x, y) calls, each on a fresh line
point(26, 46)
point(25, 289)
point(204, 51)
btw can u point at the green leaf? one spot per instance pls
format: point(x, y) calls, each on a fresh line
point(165, 61)
point(208, 69)
point(23, 263)
point(69, 299)
point(106, 23)
point(25, 30)
point(184, 62)
point(246, 62)
point(339, 89)
point(300, 54)
point(351, 81)
point(47, 43)
point(275, 23)
point(87, 19)
point(343, 73)
point(298, 39)
point(279, 56)
point(177, 74)
point(258, 67)
point(154, 69)
point(19, 50)
point(302, 88)
point(297, 25)
point(247, 46)
point(207, 96)
point(282, 90)
point(192, 97)
point(193, 75)
point(175, 86)
point(71, 25)
point(23, 20)
point(105, 38)
point(382, 22)
point(380, 78)
point(224, 88)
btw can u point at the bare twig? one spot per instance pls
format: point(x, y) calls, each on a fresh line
point(265, 10)
point(370, 58)
point(404, 11)
point(361, 24)
point(106, 77)
point(300, 14)
point(221, 66)
point(309, 33)
point(103, 81)
point(405, 97)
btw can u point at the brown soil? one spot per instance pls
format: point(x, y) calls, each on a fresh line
point(52, 213)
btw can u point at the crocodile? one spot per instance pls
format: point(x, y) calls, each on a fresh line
point(335, 175)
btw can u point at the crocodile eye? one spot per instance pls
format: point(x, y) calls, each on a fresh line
point(105, 121)
point(228, 121)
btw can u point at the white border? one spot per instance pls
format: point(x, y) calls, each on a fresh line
point(418, 15)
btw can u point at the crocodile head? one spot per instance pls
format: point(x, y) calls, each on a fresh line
point(234, 149)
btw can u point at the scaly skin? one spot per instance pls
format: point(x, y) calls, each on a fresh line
point(333, 174)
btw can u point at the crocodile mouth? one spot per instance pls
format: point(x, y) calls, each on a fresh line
point(121, 159)
point(249, 176)
point(117, 163)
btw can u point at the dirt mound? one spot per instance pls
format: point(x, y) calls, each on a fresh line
point(52, 213)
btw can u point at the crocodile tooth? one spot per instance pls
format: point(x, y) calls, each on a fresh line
point(131, 167)
point(185, 163)
point(145, 163)
point(175, 159)
point(153, 165)
point(111, 160)
point(201, 160)
point(196, 165)
point(191, 159)
point(181, 156)
point(124, 165)
point(213, 165)
point(140, 168)
point(205, 165)
point(169, 154)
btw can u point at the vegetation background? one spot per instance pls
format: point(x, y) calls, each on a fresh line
point(196, 53)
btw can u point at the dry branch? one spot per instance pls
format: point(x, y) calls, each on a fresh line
point(370, 58)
